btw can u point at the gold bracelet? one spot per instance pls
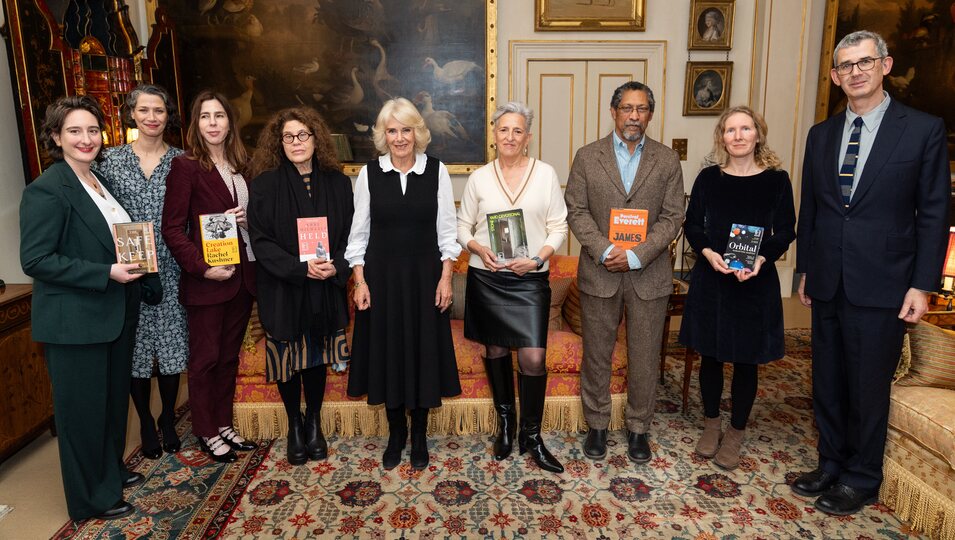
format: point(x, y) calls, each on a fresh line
point(359, 284)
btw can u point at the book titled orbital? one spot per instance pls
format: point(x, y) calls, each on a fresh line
point(743, 246)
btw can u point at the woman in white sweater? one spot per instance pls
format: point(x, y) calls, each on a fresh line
point(508, 293)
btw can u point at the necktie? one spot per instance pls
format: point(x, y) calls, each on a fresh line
point(848, 170)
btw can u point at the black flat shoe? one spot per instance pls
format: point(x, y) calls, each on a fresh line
point(170, 439)
point(150, 441)
point(133, 479)
point(230, 437)
point(228, 457)
point(638, 447)
point(120, 509)
point(843, 500)
point(595, 445)
point(814, 483)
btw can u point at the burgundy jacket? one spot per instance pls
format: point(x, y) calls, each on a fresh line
point(191, 191)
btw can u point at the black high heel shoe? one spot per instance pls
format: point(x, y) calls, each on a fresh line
point(150, 441)
point(230, 437)
point(228, 457)
point(170, 439)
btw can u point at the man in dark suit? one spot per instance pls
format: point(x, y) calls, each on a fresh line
point(871, 240)
point(625, 169)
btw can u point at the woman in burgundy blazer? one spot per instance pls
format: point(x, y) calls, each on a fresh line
point(218, 299)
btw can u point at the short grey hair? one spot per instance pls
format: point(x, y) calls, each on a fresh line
point(515, 107)
point(629, 86)
point(172, 111)
point(857, 37)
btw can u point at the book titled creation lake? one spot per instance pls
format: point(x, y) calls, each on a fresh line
point(220, 239)
point(743, 246)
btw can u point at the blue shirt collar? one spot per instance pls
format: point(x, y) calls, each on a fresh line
point(619, 143)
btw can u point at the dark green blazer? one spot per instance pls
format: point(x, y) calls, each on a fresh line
point(67, 248)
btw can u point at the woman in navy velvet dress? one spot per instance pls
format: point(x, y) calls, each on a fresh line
point(735, 316)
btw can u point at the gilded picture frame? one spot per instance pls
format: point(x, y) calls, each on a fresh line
point(345, 59)
point(711, 25)
point(707, 91)
point(590, 15)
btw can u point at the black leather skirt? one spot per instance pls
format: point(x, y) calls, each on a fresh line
point(507, 310)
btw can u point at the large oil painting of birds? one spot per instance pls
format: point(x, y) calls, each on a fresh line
point(921, 39)
point(345, 58)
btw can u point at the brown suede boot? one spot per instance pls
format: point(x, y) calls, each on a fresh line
point(728, 456)
point(709, 441)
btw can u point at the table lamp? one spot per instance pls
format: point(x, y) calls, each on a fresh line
point(948, 269)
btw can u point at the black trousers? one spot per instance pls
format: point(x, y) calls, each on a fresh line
point(855, 351)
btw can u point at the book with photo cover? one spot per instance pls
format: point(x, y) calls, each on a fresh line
point(313, 238)
point(508, 235)
point(743, 246)
point(136, 243)
point(628, 227)
point(220, 239)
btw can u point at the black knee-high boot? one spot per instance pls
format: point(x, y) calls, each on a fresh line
point(168, 392)
point(397, 437)
point(533, 389)
point(139, 390)
point(419, 439)
point(500, 376)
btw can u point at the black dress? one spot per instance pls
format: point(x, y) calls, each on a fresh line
point(402, 351)
point(726, 319)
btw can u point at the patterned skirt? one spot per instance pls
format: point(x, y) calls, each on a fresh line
point(283, 359)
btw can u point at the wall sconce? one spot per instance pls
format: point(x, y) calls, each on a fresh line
point(342, 147)
point(131, 135)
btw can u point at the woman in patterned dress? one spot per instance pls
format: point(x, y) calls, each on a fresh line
point(136, 175)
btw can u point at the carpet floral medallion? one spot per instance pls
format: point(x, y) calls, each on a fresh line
point(465, 493)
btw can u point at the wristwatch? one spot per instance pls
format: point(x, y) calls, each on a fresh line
point(539, 261)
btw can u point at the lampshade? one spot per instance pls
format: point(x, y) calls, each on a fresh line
point(948, 269)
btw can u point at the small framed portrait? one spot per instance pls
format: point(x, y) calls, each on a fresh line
point(711, 25)
point(707, 90)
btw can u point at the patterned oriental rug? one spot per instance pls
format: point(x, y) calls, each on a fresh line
point(465, 493)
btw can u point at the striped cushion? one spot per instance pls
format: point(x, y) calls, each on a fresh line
point(571, 309)
point(933, 357)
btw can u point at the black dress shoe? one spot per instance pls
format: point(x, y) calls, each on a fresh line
point(120, 509)
point(843, 500)
point(595, 445)
point(150, 441)
point(638, 447)
point(170, 439)
point(232, 439)
point(814, 483)
point(228, 457)
point(133, 479)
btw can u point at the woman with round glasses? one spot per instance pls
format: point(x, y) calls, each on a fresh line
point(301, 296)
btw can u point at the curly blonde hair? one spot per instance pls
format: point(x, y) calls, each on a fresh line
point(405, 112)
point(763, 155)
point(270, 151)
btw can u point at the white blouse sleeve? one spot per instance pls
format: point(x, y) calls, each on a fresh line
point(556, 221)
point(361, 222)
point(447, 224)
point(467, 214)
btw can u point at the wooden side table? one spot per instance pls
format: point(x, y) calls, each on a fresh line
point(25, 395)
point(944, 319)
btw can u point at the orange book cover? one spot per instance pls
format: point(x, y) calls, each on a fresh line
point(313, 238)
point(628, 227)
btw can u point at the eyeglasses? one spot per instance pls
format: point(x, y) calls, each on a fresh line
point(628, 109)
point(303, 136)
point(865, 64)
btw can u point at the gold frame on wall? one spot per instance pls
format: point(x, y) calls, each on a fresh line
point(695, 71)
point(546, 19)
point(695, 36)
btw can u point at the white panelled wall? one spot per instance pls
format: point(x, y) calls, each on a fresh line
point(568, 78)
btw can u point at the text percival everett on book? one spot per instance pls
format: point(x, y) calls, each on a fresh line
point(628, 227)
point(313, 238)
point(136, 243)
point(220, 239)
point(743, 246)
point(508, 235)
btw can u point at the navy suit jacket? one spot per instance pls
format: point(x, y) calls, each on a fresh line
point(892, 237)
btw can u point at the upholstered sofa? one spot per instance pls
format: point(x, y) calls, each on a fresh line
point(920, 450)
point(260, 414)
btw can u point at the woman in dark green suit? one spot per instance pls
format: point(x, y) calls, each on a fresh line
point(85, 308)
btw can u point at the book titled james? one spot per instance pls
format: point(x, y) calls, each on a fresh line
point(743, 246)
point(136, 243)
point(313, 238)
point(508, 235)
point(628, 227)
point(220, 239)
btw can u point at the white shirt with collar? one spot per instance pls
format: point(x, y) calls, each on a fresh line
point(361, 221)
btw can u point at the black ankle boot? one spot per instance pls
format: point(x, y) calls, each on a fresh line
point(419, 439)
point(500, 376)
point(296, 440)
point(315, 443)
point(533, 389)
point(397, 438)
